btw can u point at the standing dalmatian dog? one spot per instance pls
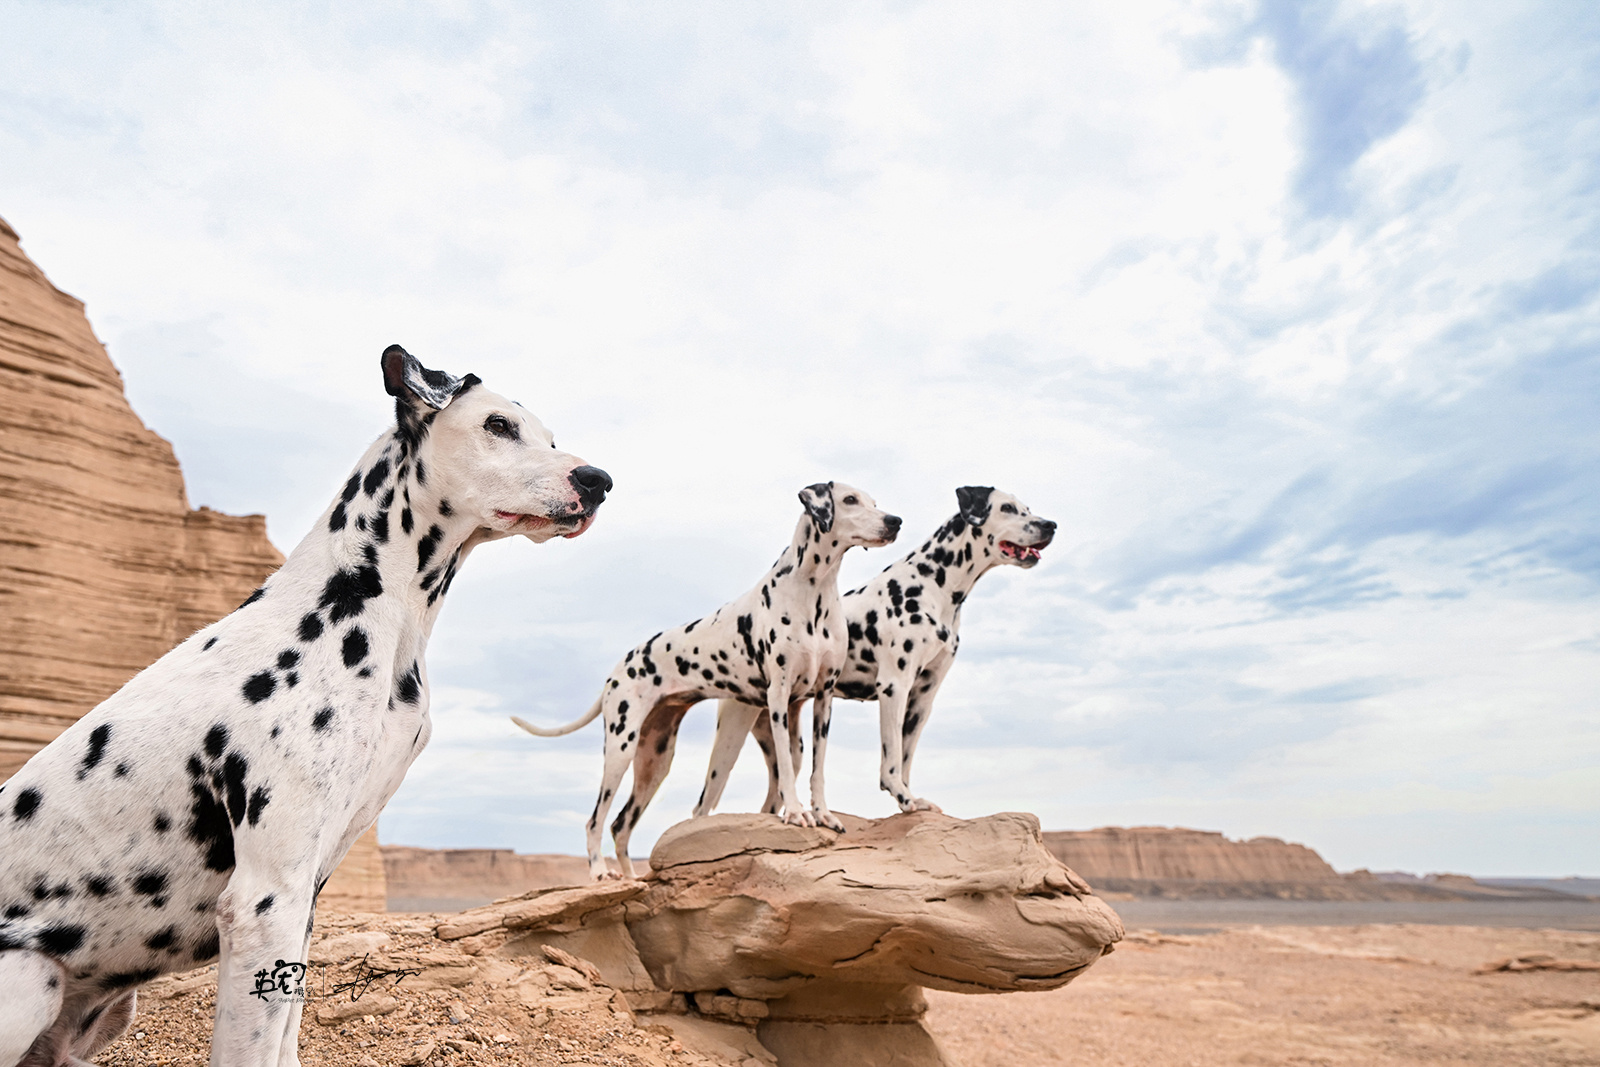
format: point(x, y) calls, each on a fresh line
point(777, 645)
point(197, 812)
point(903, 628)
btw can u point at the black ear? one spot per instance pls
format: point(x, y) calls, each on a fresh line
point(818, 500)
point(405, 377)
point(973, 500)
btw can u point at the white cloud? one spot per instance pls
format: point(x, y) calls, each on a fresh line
point(1318, 444)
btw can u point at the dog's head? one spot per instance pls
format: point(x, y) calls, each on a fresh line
point(1019, 535)
point(489, 456)
point(847, 515)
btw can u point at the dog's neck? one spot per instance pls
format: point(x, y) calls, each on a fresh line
point(811, 561)
point(953, 560)
point(391, 535)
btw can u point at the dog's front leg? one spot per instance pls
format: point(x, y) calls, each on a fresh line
point(262, 922)
point(778, 712)
point(821, 718)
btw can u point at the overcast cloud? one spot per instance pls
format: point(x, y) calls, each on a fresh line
point(1287, 312)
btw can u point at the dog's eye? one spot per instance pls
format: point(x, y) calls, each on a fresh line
point(1008, 509)
point(851, 500)
point(500, 426)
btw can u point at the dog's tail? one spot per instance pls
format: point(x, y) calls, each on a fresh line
point(560, 731)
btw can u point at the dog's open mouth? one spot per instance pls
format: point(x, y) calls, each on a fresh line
point(1022, 553)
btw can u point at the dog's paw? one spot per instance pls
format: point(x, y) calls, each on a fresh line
point(918, 804)
point(827, 818)
point(800, 818)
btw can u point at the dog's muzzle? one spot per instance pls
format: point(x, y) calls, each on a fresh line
point(891, 527)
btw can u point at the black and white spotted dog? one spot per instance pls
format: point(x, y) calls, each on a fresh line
point(196, 813)
point(774, 647)
point(903, 627)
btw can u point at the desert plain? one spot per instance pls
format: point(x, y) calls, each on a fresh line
point(1383, 994)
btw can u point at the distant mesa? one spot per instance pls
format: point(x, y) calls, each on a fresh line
point(103, 564)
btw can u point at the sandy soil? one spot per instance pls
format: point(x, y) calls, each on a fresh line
point(1377, 995)
point(1368, 995)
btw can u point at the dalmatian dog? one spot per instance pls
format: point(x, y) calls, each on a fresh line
point(771, 649)
point(197, 812)
point(903, 628)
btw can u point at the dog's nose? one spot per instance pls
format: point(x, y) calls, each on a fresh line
point(891, 523)
point(592, 484)
point(1046, 527)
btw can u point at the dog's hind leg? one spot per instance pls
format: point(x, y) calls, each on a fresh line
point(919, 708)
point(779, 713)
point(735, 720)
point(658, 739)
point(29, 1004)
point(620, 736)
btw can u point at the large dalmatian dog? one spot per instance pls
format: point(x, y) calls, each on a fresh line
point(775, 646)
point(904, 630)
point(196, 813)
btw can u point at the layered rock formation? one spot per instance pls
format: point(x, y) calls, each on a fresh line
point(103, 565)
point(1155, 853)
point(820, 944)
point(453, 879)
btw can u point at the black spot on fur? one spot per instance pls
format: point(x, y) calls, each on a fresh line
point(26, 804)
point(18, 911)
point(321, 719)
point(348, 590)
point(60, 938)
point(150, 883)
point(126, 979)
point(410, 686)
point(99, 885)
point(259, 799)
point(375, 477)
point(209, 828)
point(355, 646)
point(209, 947)
point(351, 488)
point(234, 770)
point(264, 905)
point(162, 824)
point(216, 741)
point(380, 527)
point(338, 518)
point(260, 592)
point(427, 546)
point(97, 749)
point(207, 646)
point(310, 626)
point(162, 939)
point(406, 522)
point(287, 659)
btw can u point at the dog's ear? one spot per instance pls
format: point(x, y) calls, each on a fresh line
point(818, 500)
point(405, 377)
point(973, 500)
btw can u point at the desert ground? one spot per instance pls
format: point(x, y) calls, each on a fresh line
point(1369, 995)
point(1250, 995)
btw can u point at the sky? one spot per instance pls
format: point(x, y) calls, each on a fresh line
point(1288, 313)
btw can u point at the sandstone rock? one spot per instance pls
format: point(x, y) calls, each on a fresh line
point(358, 883)
point(1155, 852)
point(103, 566)
point(819, 942)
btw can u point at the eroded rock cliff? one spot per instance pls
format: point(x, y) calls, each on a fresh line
point(103, 564)
point(1150, 853)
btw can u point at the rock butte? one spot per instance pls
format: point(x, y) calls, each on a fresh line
point(820, 944)
point(103, 564)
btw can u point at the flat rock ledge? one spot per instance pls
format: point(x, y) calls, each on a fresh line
point(815, 944)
